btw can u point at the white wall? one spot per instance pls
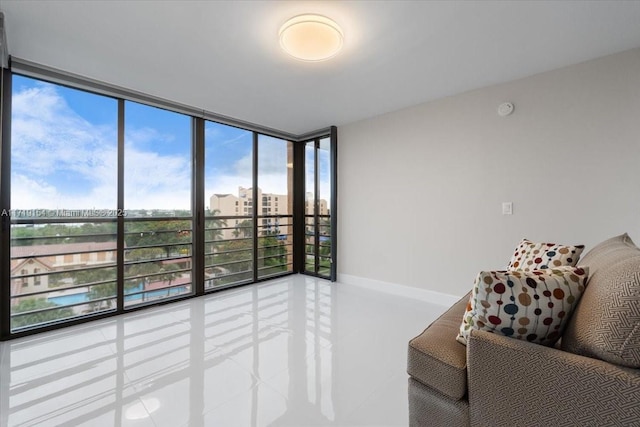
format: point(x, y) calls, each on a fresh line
point(420, 190)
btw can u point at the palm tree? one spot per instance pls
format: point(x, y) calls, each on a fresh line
point(215, 225)
point(247, 228)
point(168, 275)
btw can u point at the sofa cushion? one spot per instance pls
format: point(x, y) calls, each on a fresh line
point(607, 253)
point(428, 407)
point(606, 323)
point(539, 256)
point(436, 359)
point(527, 305)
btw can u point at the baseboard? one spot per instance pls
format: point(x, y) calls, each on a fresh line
point(426, 295)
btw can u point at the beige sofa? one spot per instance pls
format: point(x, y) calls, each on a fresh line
point(591, 378)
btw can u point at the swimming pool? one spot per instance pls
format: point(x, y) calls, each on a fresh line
point(81, 297)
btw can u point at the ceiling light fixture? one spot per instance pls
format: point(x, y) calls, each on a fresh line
point(311, 37)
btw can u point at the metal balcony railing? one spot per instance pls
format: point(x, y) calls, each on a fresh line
point(64, 268)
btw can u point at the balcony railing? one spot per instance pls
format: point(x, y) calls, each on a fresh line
point(157, 259)
point(318, 245)
point(230, 245)
point(68, 268)
point(63, 269)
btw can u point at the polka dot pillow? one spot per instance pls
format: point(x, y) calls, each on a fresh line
point(530, 256)
point(526, 305)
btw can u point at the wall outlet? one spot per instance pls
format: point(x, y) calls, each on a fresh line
point(507, 208)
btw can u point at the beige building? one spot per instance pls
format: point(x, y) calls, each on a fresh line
point(270, 206)
point(323, 208)
point(30, 264)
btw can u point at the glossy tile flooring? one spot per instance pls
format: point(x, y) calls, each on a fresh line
point(297, 351)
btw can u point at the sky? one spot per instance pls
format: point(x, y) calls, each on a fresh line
point(64, 153)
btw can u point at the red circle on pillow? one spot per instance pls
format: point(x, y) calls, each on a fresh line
point(495, 320)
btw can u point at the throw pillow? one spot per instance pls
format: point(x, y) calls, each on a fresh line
point(530, 256)
point(526, 305)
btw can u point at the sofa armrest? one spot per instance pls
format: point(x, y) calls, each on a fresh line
point(517, 383)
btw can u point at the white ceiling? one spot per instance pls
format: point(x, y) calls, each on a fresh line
point(224, 56)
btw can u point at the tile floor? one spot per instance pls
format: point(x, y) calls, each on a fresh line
point(296, 351)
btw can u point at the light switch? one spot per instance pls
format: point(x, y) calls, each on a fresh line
point(507, 208)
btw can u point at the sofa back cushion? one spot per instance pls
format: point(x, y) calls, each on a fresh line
point(607, 253)
point(606, 323)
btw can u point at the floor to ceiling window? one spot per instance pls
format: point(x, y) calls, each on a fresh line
point(228, 177)
point(319, 226)
point(64, 178)
point(157, 210)
point(274, 206)
point(109, 199)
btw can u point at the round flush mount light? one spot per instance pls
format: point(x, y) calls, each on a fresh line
point(311, 37)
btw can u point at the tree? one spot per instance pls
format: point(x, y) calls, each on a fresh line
point(100, 291)
point(215, 225)
point(141, 271)
point(273, 252)
point(63, 233)
point(173, 234)
point(32, 304)
point(168, 274)
point(245, 228)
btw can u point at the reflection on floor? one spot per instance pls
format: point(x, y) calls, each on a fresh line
point(296, 351)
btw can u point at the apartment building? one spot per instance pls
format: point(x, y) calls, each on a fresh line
point(269, 205)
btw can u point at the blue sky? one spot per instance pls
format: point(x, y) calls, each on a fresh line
point(64, 153)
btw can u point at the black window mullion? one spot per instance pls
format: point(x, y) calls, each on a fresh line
point(254, 207)
point(121, 207)
point(316, 202)
point(299, 213)
point(198, 197)
point(5, 202)
point(333, 217)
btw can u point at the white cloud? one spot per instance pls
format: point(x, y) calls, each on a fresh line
point(155, 181)
point(48, 137)
point(28, 193)
point(53, 145)
point(60, 160)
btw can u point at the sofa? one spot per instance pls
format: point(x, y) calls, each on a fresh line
point(591, 377)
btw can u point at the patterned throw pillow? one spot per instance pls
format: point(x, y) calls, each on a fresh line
point(527, 305)
point(530, 256)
